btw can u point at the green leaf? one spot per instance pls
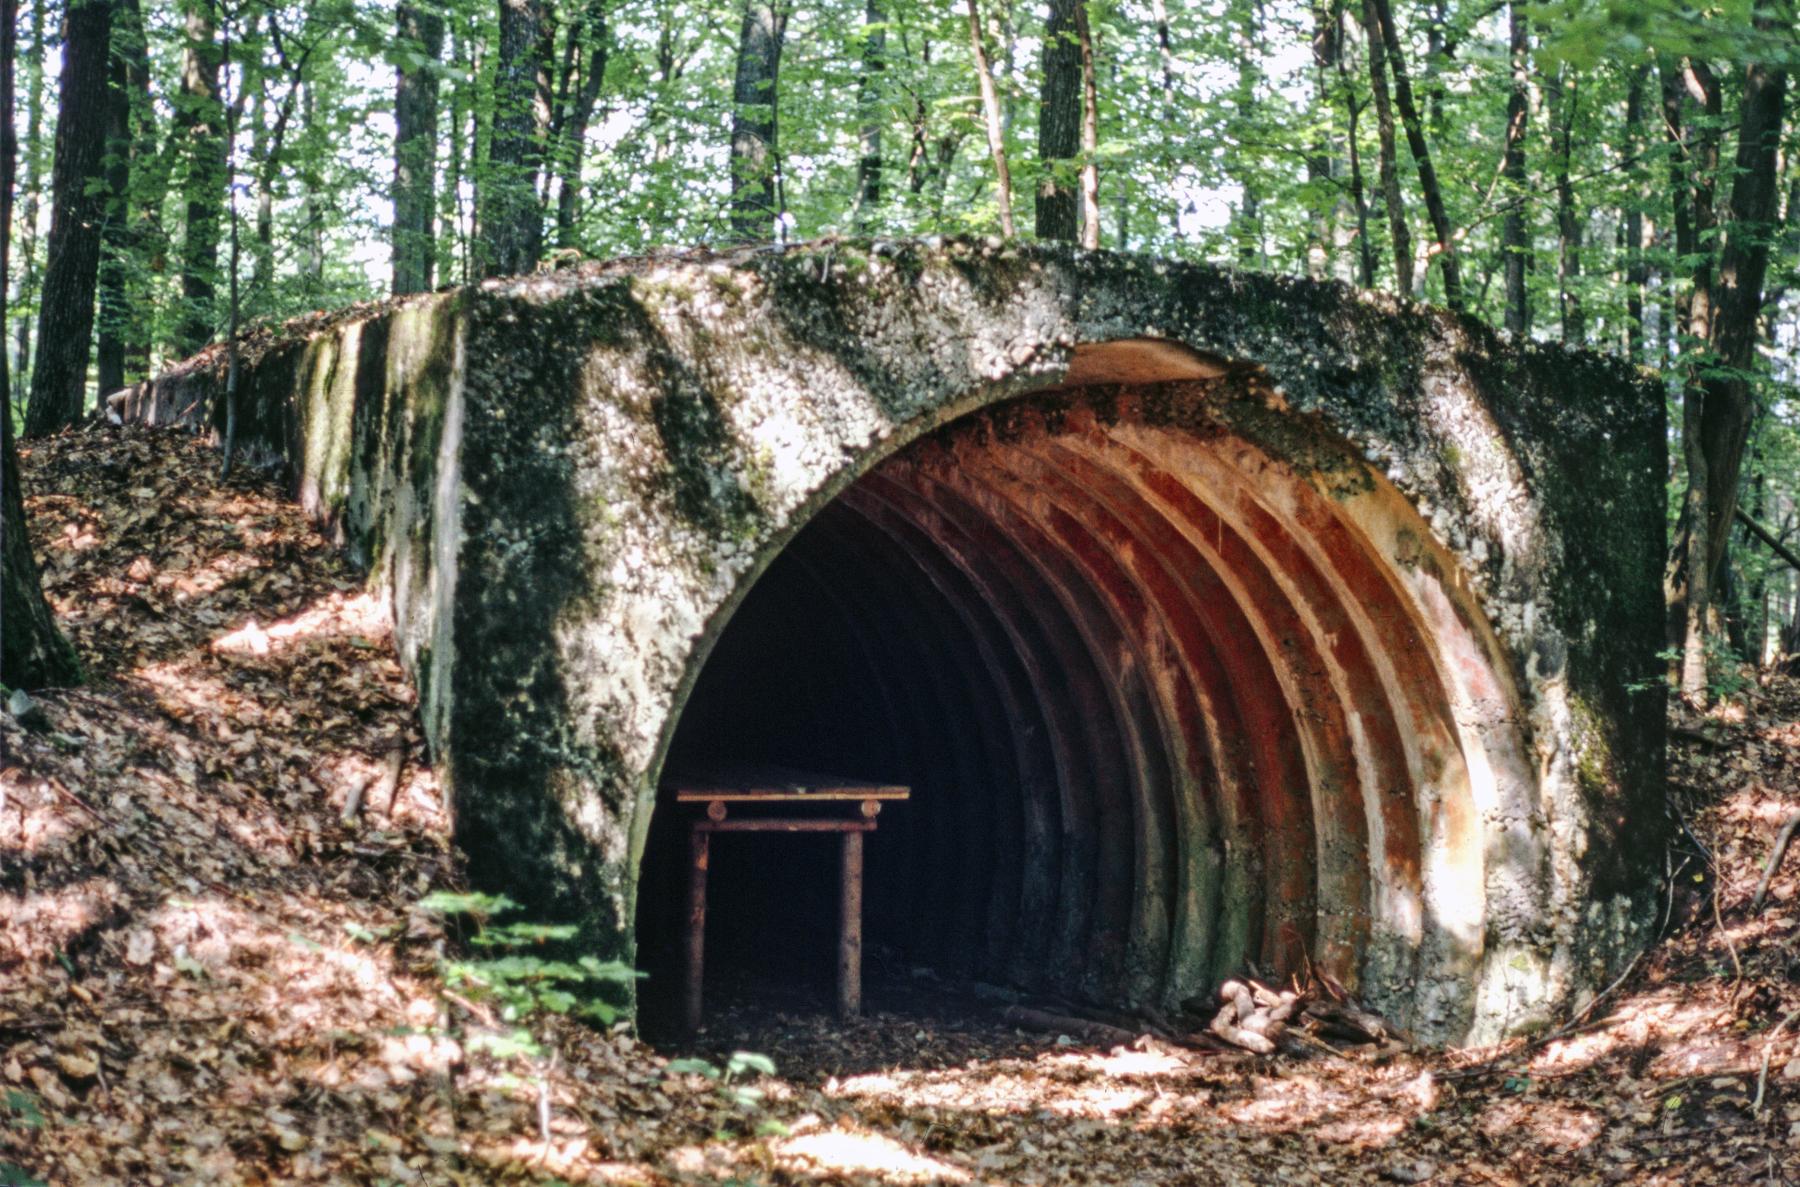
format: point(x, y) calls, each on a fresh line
point(749, 1061)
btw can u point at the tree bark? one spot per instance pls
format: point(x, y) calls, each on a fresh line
point(1325, 43)
point(1515, 243)
point(1248, 231)
point(1636, 271)
point(1693, 163)
point(1565, 95)
point(1059, 124)
point(872, 65)
point(33, 652)
point(1445, 248)
point(1090, 133)
point(1365, 246)
point(509, 219)
point(128, 150)
point(65, 327)
point(996, 133)
point(1743, 268)
point(200, 128)
point(590, 33)
point(419, 40)
point(1399, 236)
point(755, 125)
point(32, 188)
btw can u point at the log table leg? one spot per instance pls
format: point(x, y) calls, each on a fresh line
point(850, 929)
point(699, 847)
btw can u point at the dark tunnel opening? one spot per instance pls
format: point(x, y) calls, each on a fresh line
point(1165, 711)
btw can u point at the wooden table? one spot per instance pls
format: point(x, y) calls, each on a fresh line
point(725, 790)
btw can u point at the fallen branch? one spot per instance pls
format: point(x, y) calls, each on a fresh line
point(1782, 839)
point(1767, 537)
point(1043, 1020)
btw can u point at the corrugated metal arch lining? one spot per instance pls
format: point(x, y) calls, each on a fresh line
point(1200, 725)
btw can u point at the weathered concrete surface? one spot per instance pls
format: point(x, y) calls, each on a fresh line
point(1364, 590)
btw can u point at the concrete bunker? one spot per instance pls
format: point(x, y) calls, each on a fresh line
point(1217, 619)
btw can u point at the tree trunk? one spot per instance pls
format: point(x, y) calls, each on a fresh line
point(33, 652)
point(121, 236)
point(1365, 246)
point(1090, 133)
point(868, 114)
point(1445, 248)
point(996, 132)
point(1059, 124)
point(1736, 319)
point(200, 127)
point(755, 102)
point(1399, 235)
point(1514, 241)
point(1248, 231)
point(590, 33)
point(1321, 167)
point(419, 36)
point(509, 220)
point(1636, 272)
point(65, 330)
point(1565, 95)
point(32, 188)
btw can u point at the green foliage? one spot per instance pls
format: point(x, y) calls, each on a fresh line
point(520, 983)
point(728, 1080)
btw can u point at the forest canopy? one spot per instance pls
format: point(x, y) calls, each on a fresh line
point(1617, 175)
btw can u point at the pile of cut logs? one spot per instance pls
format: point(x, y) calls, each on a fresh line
point(1301, 1021)
point(1317, 1018)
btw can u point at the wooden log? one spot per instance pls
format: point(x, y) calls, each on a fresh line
point(850, 929)
point(1043, 1020)
point(699, 853)
point(1782, 840)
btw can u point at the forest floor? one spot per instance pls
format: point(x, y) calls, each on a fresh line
point(211, 972)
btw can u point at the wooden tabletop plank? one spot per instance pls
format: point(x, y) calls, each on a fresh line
point(767, 783)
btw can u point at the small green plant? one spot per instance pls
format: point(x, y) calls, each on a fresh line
point(728, 1081)
point(503, 970)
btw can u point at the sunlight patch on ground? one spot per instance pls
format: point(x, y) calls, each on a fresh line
point(38, 925)
point(857, 1152)
point(360, 617)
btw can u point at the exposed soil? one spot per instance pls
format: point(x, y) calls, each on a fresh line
point(212, 972)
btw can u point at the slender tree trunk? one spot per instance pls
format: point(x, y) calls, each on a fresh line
point(1248, 233)
point(1445, 248)
point(591, 34)
point(128, 105)
point(419, 35)
point(1399, 236)
point(1059, 124)
point(65, 331)
point(1321, 166)
point(1633, 220)
point(33, 187)
point(199, 121)
point(755, 103)
point(33, 652)
point(1090, 133)
point(509, 219)
point(872, 65)
point(1565, 96)
point(1365, 246)
point(1743, 268)
point(312, 217)
point(1514, 239)
point(996, 132)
